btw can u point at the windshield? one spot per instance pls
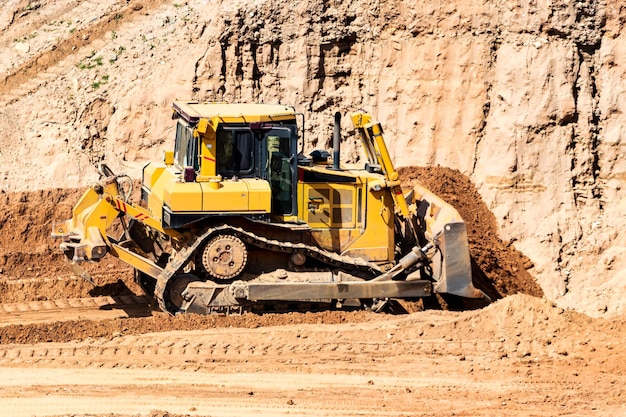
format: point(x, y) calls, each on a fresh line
point(186, 146)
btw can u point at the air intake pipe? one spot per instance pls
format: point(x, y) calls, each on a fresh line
point(337, 141)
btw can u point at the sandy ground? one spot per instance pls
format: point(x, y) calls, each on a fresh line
point(521, 356)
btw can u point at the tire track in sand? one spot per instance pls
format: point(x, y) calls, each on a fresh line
point(92, 308)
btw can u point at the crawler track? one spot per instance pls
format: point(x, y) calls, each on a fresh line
point(327, 257)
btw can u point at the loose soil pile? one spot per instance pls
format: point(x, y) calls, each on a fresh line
point(519, 339)
point(497, 267)
point(519, 356)
point(161, 322)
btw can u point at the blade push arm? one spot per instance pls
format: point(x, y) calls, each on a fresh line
point(371, 134)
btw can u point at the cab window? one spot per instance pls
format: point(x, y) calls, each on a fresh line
point(235, 152)
point(186, 146)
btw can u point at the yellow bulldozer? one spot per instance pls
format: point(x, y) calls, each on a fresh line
point(236, 218)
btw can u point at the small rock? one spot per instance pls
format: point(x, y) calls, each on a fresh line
point(22, 47)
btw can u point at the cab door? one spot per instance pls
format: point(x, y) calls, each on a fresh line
point(280, 168)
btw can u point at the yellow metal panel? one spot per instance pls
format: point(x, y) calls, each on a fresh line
point(236, 112)
point(380, 222)
point(151, 174)
point(301, 202)
point(168, 157)
point(343, 207)
point(260, 198)
point(183, 196)
point(208, 152)
point(229, 196)
point(330, 205)
point(316, 211)
point(330, 209)
point(155, 205)
point(156, 178)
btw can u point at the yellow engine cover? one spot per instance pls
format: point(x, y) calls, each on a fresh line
point(248, 194)
point(162, 186)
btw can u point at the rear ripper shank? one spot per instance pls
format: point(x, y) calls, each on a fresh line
point(236, 217)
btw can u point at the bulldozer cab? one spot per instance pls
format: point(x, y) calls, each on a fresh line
point(261, 151)
point(230, 150)
point(244, 151)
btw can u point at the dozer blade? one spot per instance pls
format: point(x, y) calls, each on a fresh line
point(443, 225)
point(456, 269)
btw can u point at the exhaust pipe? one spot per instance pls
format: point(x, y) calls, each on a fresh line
point(337, 141)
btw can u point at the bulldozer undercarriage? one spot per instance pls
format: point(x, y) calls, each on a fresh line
point(212, 272)
point(207, 276)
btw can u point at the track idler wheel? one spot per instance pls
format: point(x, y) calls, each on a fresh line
point(175, 288)
point(224, 257)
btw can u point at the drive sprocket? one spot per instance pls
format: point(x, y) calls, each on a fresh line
point(224, 257)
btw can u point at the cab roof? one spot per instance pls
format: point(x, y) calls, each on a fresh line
point(193, 111)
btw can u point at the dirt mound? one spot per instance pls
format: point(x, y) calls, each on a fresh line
point(498, 268)
point(521, 326)
point(26, 249)
point(520, 316)
point(31, 264)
